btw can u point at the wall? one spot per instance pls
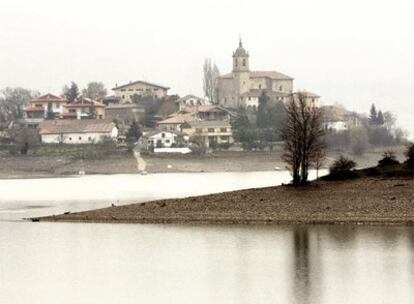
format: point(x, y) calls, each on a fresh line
point(94, 137)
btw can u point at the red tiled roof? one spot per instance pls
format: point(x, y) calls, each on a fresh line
point(75, 126)
point(48, 98)
point(34, 109)
point(85, 102)
point(179, 119)
point(262, 74)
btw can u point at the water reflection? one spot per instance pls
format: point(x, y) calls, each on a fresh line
point(301, 259)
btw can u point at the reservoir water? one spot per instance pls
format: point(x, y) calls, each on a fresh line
point(105, 263)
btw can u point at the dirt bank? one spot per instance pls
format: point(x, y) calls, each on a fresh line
point(364, 200)
point(123, 162)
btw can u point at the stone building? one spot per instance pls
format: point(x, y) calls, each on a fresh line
point(243, 87)
point(140, 88)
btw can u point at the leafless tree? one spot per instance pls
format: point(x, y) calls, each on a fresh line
point(95, 90)
point(319, 161)
point(303, 136)
point(211, 74)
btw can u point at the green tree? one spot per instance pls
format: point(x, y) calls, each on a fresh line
point(380, 118)
point(71, 92)
point(262, 118)
point(373, 116)
point(242, 128)
point(134, 132)
point(50, 115)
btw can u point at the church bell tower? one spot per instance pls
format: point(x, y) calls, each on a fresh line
point(241, 74)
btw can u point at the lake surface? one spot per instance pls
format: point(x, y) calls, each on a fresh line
point(105, 263)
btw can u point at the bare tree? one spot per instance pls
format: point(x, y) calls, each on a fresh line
point(211, 74)
point(303, 136)
point(12, 102)
point(95, 90)
point(319, 159)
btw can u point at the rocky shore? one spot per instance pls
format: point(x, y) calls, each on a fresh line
point(368, 200)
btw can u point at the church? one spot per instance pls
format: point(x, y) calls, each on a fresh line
point(243, 87)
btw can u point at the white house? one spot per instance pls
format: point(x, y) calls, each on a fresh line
point(88, 131)
point(166, 139)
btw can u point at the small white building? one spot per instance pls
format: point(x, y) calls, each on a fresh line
point(166, 139)
point(88, 131)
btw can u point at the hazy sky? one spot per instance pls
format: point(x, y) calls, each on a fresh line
point(354, 52)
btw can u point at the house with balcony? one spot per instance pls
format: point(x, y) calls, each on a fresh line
point(84, 108)
point(210, 133)
point(40, 108)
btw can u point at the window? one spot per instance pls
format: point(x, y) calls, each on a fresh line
point(123, 90)
point(260, 86)
point(90, 138)
point(163, 135)
point(80, 138)
point(123, 96)
point(223, 130)
point(211, 130)
point(250, 98)
point(199, 130)
point(225, 138)
point(281, 88)
point(244, 62)
point(167, 141)
point(70, 138)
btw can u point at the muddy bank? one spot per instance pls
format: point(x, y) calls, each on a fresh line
point(362, 201)
point(124, 162)
point(60, 166)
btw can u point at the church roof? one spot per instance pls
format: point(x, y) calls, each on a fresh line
point(262, 74)
point(241, 51)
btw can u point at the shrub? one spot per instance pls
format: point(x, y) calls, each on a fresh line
point(409, 153)
point(342, 165)
point(388, 159)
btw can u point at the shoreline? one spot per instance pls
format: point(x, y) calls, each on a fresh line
point(25, 167)
point(364, 201)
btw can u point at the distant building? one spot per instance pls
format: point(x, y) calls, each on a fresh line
point(311, 99)
point(209, 133)
point(166, 139)
point(338, 119)
point(191, 101)
point(38, 108)
point(242, 87)
point(111, 100)
point(84, 108)
point(88, 131)
point(196, 113)
point(140, 88)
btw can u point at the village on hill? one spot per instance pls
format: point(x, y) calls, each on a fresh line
point(241, 110)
